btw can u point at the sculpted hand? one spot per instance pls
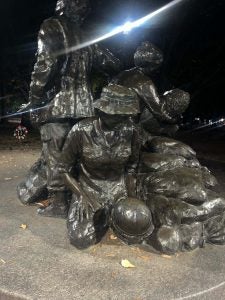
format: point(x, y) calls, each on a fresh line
point(83, 209)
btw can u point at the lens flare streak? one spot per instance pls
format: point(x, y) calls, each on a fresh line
point(123, 28)
point(17, 114)
point(128, 26)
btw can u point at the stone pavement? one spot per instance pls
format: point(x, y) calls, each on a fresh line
point(39, 263)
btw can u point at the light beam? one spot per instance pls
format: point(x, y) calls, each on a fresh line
point(17, 114)
point(123, 28)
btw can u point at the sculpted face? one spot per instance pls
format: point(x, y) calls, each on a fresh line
point(77, 10)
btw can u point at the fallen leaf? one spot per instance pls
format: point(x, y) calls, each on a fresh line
point(7, 179)
point(110, 255)
point(93, 250)
point(166, 256)
point(144, 257)
point(113, 237)
point(2, 260)
point(23, 226)
point(126, 264)
point(44, 203)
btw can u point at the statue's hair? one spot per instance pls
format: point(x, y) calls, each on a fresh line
point(148, 55)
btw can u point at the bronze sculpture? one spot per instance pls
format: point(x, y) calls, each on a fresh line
point(111, 162)
point(60, 92)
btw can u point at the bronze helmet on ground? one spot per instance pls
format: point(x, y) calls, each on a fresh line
point(131, 220)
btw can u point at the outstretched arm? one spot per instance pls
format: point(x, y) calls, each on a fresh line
point(106, 61)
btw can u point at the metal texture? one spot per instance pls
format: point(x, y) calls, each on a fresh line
point(34, 187)
point(162, 108)
point(61, 85)
point(104, 170)
point(131, 220)
point(106, 151)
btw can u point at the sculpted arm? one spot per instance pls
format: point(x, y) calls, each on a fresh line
point(133, 163)
point(48, 64)
point(106, 61)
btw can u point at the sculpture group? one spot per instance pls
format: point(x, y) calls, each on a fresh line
point(110, 162)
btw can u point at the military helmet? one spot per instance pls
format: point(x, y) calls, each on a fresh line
point(131, 220)
point(118, 100)
point(176, 102)
point(148, 57)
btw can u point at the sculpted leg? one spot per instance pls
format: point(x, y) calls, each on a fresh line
point(85, 231)
point(53, 136)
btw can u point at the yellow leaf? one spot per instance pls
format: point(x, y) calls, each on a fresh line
point(2, 260)
point(166, 256)
point(113, 237)
point(23, 226)
point(126, 264)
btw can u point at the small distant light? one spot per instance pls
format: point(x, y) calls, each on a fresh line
point(222, 120)
point(31, 110)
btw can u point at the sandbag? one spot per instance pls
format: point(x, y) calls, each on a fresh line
point(170, 240)
point(192, 163)
point(191, 236)
point(183, 183)
point(159, 162)
point(152, 162)
point(34, 187)
point(170, 211)
point(166, 145)
point(214, 230)
point(208, 178)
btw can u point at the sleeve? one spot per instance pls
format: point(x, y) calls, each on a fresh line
point(48, 64)
point(147, 91)
point(133, 164)
point(135, 151)
point(72, 150)
point(106, 61)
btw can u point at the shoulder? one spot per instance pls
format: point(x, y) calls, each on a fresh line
point(52, 27)
point(51, 33)
point(51, 23)
point(85, 125)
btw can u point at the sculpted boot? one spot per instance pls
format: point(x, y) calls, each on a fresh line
point(58, 207)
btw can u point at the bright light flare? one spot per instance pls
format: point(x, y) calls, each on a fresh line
point(17, 114)
point(128, 26)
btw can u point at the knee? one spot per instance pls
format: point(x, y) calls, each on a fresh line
point(82, 235)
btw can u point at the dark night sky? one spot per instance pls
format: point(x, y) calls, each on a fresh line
point(191, 35)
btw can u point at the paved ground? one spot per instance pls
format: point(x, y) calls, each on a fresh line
point(39, 263)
